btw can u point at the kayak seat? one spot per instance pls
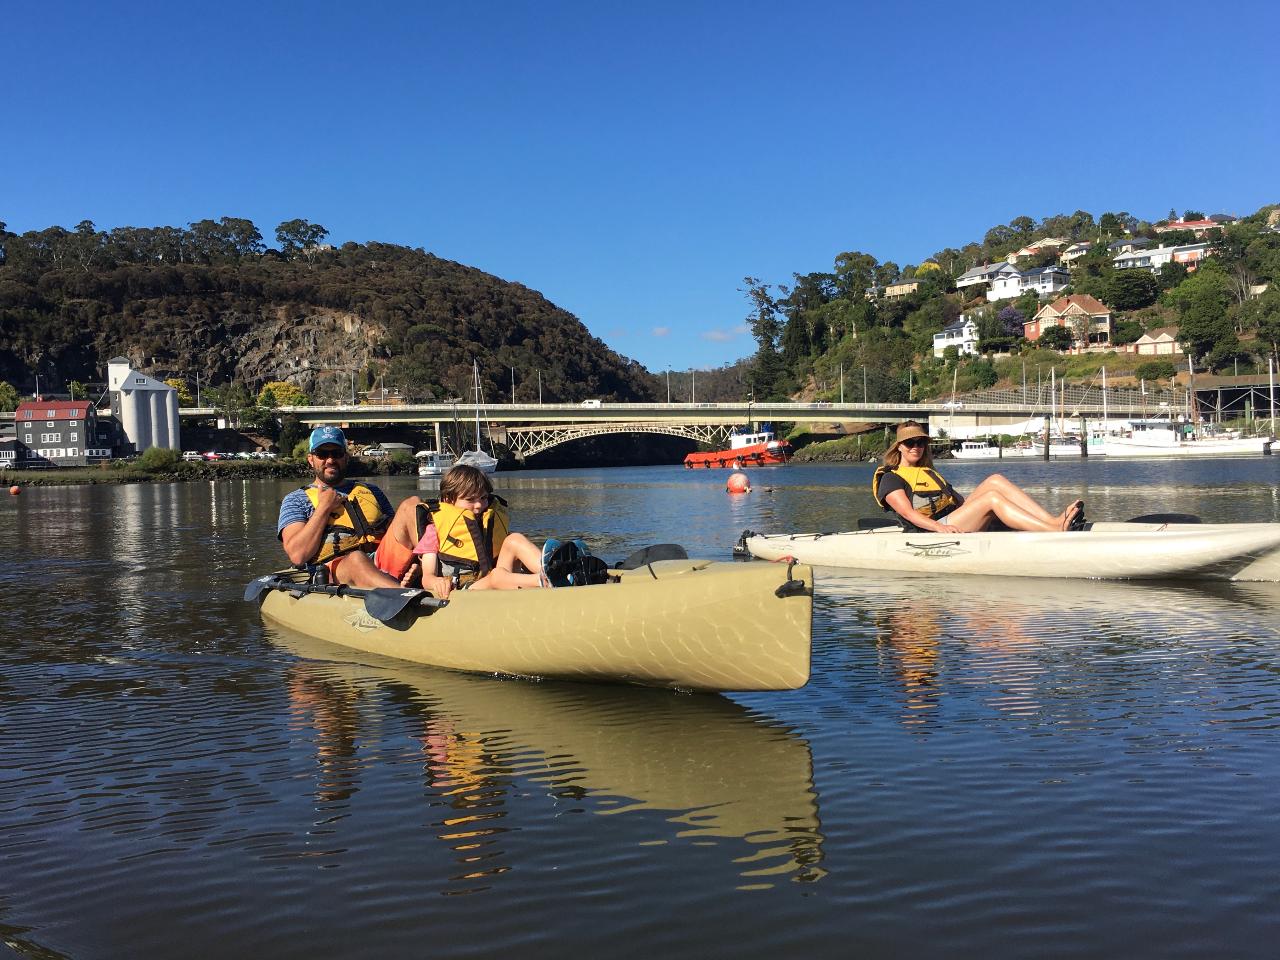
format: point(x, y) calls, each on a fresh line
point(647, 555)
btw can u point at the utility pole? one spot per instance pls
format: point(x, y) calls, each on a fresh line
point(864, 384)
point(842, 383)
point(539, 386)
point(668, 385)
point(693, 385)
point(513, 386)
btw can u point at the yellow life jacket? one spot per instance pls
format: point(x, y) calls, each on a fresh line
point(469, 544)
point(922, 482)
point(356, 523)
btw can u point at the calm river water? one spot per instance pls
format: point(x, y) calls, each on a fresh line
point(978, 767)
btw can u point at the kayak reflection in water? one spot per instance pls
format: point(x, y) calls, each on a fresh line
point(907, 473)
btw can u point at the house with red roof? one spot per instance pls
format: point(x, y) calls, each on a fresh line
point(61, 433)
point(1079, 313)
point(1198, 227)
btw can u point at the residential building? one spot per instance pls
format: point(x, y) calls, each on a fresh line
point(900, 289)
point(1198, 227)
point(1128, 245)
point(1078, 312)
point(1151, 260)
point(961, 333)
point(1160, 342)
point(985, 274)
point(1044, 281)
point(1038, 246)
point(10, 452)
point(59, 433)
point(1075, 252)
point(1188, 253)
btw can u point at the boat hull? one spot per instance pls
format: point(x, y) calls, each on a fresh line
point(1135, 447)
point(756, 455)
point(1119, 551)
point(693, 625)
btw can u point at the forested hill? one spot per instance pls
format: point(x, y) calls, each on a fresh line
point(212, 300)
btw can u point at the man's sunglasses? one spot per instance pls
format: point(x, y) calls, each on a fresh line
point(330, 454)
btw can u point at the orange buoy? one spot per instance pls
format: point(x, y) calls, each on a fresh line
point(15, 490)
point(738, 483)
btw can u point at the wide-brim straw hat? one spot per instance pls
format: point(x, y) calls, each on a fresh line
point(908, 431)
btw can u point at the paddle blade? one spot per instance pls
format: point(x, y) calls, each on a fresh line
point(1165, 518)
point(385, 603)
point(647, 555)
point(258, 587)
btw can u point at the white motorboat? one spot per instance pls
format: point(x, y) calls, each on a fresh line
point(1163, 438)
point(433, 463)
point(986, 450)
point(1105, 551)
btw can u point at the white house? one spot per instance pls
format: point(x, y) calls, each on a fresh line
point(1075, 252)
point(961, 333)
point(985, 274)
point(1151, 260)
point(1044, 281)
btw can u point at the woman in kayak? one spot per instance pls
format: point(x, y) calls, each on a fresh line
point(907, 474)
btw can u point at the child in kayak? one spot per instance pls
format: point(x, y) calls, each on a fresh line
point(466, 541)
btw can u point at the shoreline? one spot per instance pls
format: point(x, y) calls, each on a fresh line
point(117, 472)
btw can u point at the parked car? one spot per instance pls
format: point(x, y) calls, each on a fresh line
point(591, 403)
point(212, 455)
point(374, 453)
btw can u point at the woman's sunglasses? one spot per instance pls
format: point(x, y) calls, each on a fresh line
point(916, 442)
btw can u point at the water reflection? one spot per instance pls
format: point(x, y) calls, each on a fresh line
point(1042, 650)
point(711, 769)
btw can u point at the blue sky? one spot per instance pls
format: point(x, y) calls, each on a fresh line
point(634, 163)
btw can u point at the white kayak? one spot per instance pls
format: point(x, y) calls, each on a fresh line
point(1104, 551)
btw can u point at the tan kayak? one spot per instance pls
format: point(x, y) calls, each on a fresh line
point(712, 768)
point(687, 624)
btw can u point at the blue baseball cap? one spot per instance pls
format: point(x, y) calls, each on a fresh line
point(331, 435)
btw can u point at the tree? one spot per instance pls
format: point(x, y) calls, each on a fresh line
point(1261, 315)
point(1056, 338)
point(281, 393)
point(1132, 289)
point(1189, 215)
point(1202, 301)
point(1011, 321)
point(768, 372)
point(1126, 331)
point(184, 393)
point(8, 397)
point(300, 236)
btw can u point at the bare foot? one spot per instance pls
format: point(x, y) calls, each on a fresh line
point(1070, 515)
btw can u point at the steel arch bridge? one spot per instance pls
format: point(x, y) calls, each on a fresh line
point(527, 441)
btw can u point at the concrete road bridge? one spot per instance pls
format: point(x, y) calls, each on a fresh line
point(533, 428)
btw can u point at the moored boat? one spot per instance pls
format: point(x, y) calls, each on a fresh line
point(987, 450)
point(1106, 551)
point(433, 463)
point(687, 624)
point(745, 450)
point(1163, 438)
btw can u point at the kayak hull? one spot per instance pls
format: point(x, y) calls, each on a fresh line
point(691, 624)
point(1106, 551)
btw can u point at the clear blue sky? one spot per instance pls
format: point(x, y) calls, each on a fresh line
point(635, 162)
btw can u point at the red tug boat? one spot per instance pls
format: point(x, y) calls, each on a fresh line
point(745, 450)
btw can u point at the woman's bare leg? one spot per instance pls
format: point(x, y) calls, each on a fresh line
point(978, 510)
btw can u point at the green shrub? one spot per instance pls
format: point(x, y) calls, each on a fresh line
point(1155, 370)
point(159, 460)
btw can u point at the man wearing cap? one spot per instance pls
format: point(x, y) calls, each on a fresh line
point(347, 525)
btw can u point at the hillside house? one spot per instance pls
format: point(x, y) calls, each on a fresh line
point(1127, 245)
point(1188, 253)
point(985, 274)
point(1038, 246)
point(900, 289)
point(1077, 312)
point(1045, 281)
point(1198, 227)
point(1160, 342)
point(1075, 252)
point(961, 333)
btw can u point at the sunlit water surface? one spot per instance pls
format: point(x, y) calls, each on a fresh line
point(995, 767)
